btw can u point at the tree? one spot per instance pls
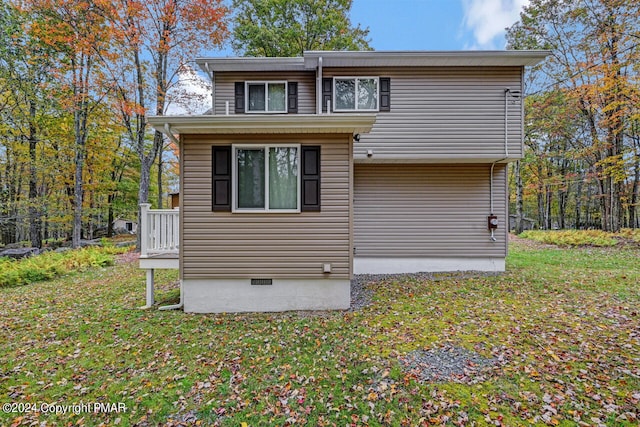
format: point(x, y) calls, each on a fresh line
point(77, 31)
point(24, 65)
point(159, 37)
point(289, 27)
point(593, 66)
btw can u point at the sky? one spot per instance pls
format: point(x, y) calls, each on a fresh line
point(433, 24)
point(436, 24)
point(419, 25)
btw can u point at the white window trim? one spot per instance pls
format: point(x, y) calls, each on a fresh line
point(356, 78)
point(266, 84)
point(234, 179)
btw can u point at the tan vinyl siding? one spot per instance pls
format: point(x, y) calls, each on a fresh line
point(266, 245)
point(225, 86)
point(427, 210)
point(442, 113)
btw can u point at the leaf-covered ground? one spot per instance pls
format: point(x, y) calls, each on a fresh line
point(562, 326)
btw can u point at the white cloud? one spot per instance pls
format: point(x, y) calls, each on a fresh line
point(487, 20)
point(190, 95)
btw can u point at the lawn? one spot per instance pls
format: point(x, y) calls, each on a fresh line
point(562, 328)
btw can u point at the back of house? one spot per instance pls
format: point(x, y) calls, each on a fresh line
point(309, 170)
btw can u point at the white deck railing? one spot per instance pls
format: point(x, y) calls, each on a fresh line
point(160, 231)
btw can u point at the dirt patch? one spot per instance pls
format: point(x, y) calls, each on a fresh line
point(127, 257)
point(529, 243)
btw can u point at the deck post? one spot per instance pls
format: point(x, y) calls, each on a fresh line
point(150, 296)
point(144, 228)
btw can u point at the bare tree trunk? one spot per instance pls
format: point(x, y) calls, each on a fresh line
point(78, 194)
point(635, 195)
point(579, 201)
point(80, 116)
point(519, 198)
point(540, 197)
point(110, 215)
point(562, 195)
point(35, 219)
point(547, 210)
point(160, 165)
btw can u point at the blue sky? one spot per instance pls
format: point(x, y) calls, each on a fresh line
point(432, 24)
point(436, 24)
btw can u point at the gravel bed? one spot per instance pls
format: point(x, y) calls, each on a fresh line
point(361, 296)
point(449, 363)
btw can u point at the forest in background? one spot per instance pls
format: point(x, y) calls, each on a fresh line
point(79, 77)
point(582, 116)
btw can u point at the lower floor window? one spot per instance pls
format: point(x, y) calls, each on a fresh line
point(266, 178)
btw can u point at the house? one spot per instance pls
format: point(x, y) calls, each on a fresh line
point(527, 223)
point(309, 170)
point(125, 225)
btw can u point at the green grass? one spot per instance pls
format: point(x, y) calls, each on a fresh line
point(565, 322)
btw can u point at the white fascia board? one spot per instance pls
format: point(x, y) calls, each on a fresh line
point(251, 64)
point(476, 58)
point(265, 124)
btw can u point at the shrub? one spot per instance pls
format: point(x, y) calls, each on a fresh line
point(572, 237)
point(631, 234)
point(53, 264)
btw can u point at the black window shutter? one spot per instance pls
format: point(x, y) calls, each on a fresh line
point(292, 88)
point(327, 90)
point(385, 94)
point(239, 97)
point(310, 178)
point(221, 182)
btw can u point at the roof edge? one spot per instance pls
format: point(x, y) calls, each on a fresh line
point(267, 124)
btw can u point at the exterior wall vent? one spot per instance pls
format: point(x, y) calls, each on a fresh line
point(261, 282)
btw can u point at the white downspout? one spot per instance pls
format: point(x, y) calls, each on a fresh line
point(213, 87)
point(167, 131)
point(319, 87)
point(178, 305)
point(507, 91)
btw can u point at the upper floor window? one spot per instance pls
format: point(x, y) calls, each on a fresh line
point(356, 93)
point(266, 97)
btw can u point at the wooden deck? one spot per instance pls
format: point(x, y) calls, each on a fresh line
point(159, 243)
point(160, 261)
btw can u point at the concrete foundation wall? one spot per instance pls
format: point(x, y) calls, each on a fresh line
point(380, 265)
point(238, 295)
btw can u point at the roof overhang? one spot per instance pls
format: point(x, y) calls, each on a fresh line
point(264, 124)
point(250, 64)
point(474, 58)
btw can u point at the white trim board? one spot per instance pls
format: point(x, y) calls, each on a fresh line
point(375, 265)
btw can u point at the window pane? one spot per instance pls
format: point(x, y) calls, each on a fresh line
point(345, 94)
point(283, 178)
point(256, 97)
point(276, 97)
point(367, 94)
point(250, 169)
